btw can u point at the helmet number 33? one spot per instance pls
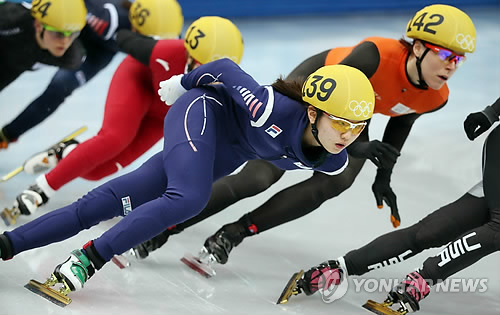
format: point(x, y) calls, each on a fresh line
point(433, 20)
point(325, 87)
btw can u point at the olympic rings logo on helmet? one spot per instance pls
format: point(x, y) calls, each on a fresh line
point(465, 41)
point(236, 59)
point(361, 109)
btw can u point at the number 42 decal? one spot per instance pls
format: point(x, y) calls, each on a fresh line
point(433, 20)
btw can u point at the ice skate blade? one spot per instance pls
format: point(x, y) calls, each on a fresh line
point(48, 293)
point(12, 174)
point(121, 261)
point(9, 216)
point(290, 288)
point(197, 265)
point(381, 308)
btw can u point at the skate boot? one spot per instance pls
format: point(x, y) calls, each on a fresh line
point(26, 204)
point(407, 294)
point(71, 275)
point(45, 160)
point(218, 246)
point(143, 250)
point(321, 277)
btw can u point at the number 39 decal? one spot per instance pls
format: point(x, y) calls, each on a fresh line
point(326, 87)
point(431, 21)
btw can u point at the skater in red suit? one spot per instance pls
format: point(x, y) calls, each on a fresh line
point(134, 113)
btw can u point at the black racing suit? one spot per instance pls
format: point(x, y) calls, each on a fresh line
point(19, 50)
point(470, 226)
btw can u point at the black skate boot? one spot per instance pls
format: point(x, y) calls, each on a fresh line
point(143, 250)
point(226, 238)
point(407, 294)
point(45, 160)
point(321, 277)
point(218, 246)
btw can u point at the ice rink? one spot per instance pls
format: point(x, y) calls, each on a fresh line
point(438, 164)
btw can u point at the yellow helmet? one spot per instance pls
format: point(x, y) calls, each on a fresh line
point(340, 90)
point(63, 15)
point(158, 18)
point(211, 37)
point(445, 26)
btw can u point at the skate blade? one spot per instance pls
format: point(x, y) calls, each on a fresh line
point(121, 261)
point(197, 265)
point(290, 288)
point(48, 293)
point(12, 174)
point(9, 216)
point(381, 308)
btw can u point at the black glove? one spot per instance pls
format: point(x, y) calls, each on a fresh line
point(477, 123)
point(4, 140)
point(383, 192)
point(381, 154)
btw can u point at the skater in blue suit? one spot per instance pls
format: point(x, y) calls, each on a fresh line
point(220, 118)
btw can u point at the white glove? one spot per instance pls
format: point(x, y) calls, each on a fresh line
point(171, 89)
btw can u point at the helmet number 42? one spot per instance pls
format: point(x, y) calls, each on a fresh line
point(418, 22)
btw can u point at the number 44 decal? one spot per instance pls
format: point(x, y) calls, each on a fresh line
point(433, 20)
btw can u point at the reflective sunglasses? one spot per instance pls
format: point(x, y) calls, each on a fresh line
point(343, 125)
point(446, 55)
point(60, 34)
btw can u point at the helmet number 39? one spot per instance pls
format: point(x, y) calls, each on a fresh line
point(433, 20)
point(42, 8)
point(326, 88)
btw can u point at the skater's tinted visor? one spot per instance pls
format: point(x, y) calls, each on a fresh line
point(344, 125)
point(60, 34)
point(446, 55)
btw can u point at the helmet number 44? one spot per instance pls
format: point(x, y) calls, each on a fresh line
point(418, 22)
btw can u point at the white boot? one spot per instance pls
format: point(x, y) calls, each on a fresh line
point(75, 271)
point(35, 196)
point(45, 160)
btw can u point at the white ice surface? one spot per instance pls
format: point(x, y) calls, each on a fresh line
point(437, 166)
